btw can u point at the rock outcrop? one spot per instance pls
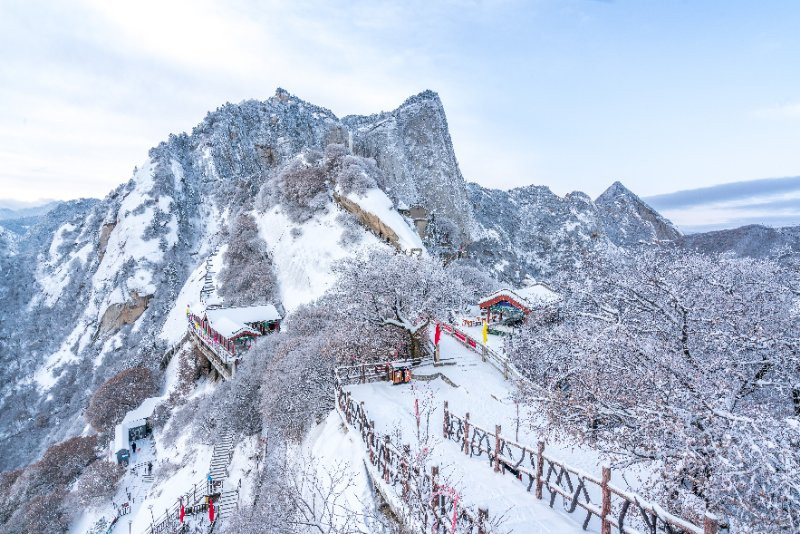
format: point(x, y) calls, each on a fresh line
point(120, 314)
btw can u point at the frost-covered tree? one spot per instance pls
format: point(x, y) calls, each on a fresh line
point(119, 394)
point(392, 292)
point(96, 484)
point(688, 362)
point(41, 487)
point(477, 283)
point(352, 174)
point(247, 277)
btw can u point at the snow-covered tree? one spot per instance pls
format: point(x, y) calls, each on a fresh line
point(118, 395)
point(247, 277)
point(392, 292)
point(689, 362)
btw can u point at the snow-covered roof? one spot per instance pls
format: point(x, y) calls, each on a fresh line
point(141, 413)
point(229, 328)
point(134, 418)
point(402, 206)
point(232, 322)
point(537, 294)
point(120, 438)
point(248, 314)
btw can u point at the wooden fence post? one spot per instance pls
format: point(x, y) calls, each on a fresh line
point(406, 470)
point(371, 442)
point(483, 353)
point(387, 475)
point(497, 448)
point(605, 510)
point(466, 434)
point(434, 490)
point(710, 524)
point(446, 425)
point(505, 368)
point(539, 469)
point(483, 518)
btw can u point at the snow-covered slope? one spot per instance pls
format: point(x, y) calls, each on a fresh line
point(304, 253)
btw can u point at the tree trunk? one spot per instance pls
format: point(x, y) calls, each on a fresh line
point(416, 345)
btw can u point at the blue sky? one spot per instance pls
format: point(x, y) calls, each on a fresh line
point(662, 95)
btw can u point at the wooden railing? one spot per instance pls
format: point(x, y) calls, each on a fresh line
point(582, 493)
point(364, 373)
point(221, 346)
point(497, 360)
point(397, 468)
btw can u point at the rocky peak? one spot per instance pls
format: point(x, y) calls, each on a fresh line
point(628, 220)
point(412, 145)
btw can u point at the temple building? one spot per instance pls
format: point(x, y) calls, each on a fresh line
point(509, 306)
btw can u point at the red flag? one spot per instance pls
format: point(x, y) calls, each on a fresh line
point(183, 513)
point(438, 335)
point(210, 510)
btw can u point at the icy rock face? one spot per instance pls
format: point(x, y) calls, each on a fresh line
point(412, 146)
point(530, 231)
point(627, 220)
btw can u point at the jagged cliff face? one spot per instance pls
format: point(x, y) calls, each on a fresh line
point(96, 287)
point(412, 145)
point(530, 231)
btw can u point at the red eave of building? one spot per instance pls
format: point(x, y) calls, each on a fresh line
point(504, 297)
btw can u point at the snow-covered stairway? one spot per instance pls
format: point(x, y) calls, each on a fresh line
point(227, 502)
point(221, 457)
point(208, 281)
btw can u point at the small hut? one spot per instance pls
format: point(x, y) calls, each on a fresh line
point(135, 425)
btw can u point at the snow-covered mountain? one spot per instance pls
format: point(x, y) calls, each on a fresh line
point(96, 287)
point(530, 231)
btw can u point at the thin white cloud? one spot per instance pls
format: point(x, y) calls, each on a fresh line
point(785, 111)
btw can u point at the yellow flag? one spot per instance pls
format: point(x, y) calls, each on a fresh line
point(485, 332)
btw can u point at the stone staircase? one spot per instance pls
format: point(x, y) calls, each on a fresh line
point(224, 504)
point(208, 280)
point(221, 457)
